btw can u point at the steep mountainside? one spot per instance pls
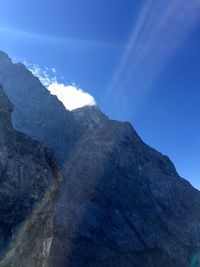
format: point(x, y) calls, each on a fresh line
point(121, 203)
point(27, 185)
point(36, 112)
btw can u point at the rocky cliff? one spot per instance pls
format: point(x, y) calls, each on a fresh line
point(36, 112)
point(28, 191)
point(121, 203)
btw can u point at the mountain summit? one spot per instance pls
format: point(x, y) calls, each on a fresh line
point(121, 202)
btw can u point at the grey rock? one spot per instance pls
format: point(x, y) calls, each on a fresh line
point(36, 112)
point(122, 203)
point(28, 193)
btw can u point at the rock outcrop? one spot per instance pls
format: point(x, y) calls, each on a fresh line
point(121, 202)
point(28, 191)
point(37, 113)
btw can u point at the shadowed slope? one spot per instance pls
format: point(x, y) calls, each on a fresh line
point(28, 181)
point(122, 203)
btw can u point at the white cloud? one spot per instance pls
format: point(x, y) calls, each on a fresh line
point(71, 96)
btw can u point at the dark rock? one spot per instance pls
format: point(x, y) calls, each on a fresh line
point(36, 112)
point(27, 184)
point(122, 203)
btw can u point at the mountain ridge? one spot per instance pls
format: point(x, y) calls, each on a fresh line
point(121, 202)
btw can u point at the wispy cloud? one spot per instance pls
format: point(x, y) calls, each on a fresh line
point(71, 96)
point(161, 29)
point(52, 39)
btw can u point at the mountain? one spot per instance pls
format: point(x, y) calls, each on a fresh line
point(28, 193)
point(121, 202)
point(37, 113)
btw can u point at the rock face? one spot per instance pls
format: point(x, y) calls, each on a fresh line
point(27, 185)
point(36, 112)
point(121, 203)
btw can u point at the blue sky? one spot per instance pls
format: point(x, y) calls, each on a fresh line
point(139, 59)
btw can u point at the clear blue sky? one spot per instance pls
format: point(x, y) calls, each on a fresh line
point(139, 59)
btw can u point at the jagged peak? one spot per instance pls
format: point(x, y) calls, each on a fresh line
point(89, 115)
point(4, 56)
point(91, 111)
